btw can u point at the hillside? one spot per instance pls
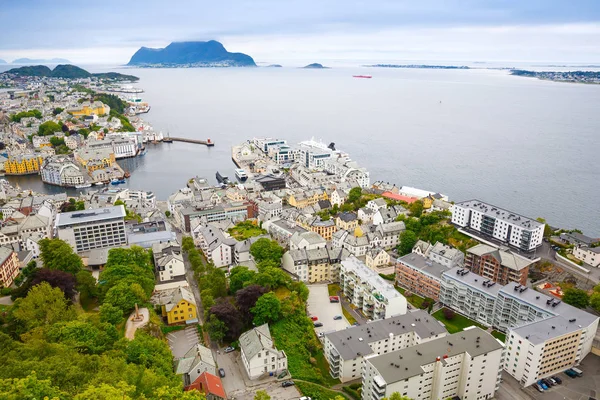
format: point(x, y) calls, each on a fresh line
point(34, 70)
point(200, 54)
point(315, 66)
point(67, 71)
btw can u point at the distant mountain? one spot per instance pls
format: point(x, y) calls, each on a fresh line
point(67, 72)
point(2, 61)
point(315, 66)
point(40, 61)
point(191, 54)
point(274, 66)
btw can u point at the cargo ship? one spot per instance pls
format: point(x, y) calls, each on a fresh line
point(222, 179)
point(362, 76)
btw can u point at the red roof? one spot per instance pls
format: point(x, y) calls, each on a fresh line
point(399, 197)
point(209, 383)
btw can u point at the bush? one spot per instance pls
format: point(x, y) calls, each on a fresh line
point(316, 392)
point(449, 314)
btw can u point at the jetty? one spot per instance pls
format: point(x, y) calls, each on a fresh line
point(206, 142)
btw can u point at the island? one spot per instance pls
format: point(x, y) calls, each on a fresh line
point(40, 61)
point(592, 77)
point(67, 71)
point(424, 66)
point(190, 54)
point(315, 66)
point(274, 66)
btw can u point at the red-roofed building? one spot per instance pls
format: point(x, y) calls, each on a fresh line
point(210, 385)
point(399, 197)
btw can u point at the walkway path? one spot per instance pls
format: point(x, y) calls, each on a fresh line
point(132, 326)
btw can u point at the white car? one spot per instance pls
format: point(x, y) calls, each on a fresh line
point(305, 398)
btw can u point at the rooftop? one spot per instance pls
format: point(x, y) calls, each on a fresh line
point(473, 280)
point(540, 331)
point(506, 258)
point(366, 274)
point(81, 217)
point(354, 341)
point(406, 363)
point(500, 213)
point(423, 265)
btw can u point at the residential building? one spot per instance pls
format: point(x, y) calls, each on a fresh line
point(347, 221)
point(373, 295)
point(40, 141)
point(269, 208)
point(86, 109)
point(95, 159)
point(168, 260)
point(365, 215)
point(9, 266)
point(259, 355)
point(234, 211)
point(544, 348)
point(216, 246)
point(420, 275)
point(270, 183)
point(15, 231)
point(325, 228)
point(578, 239)
point(282, 230)
point(210, 385)
point(145, 234)
point(61, 171)
point(180, 307)
point(92, 229)
point(314, 265)
point(305, 198)
point(195, 362)
point(179, 197)
point(346, 170)
point(313, 154)
point(506, 226)
point(23, 164)
point(307, 241)
point(501, 266)
point(378, 259)
point(376, 204)
point(346, 349)
point(443, 254)
point(589, 255)
point(73, 141)
point(338, 197)
point(388, 214)
point(355, 242)
point(467, 365)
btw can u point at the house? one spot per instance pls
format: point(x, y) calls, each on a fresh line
point(259, 355)
point(589, 255)
point(376, 204)
point(325, 228)
point(377, 258)
point(216, 246)
point(443, 254)
point(196, 361)
point(347, 221)
point(578, 239)
point(499, 265)
point(210, 385)
point(365, 215)
point(338, 197)
point(168, 261)
point(9, 266)
point(314, 265)
point(307, 241)
point(180, 307)
point(388, 214)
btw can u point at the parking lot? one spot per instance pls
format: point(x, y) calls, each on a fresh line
point(581, 388)
point(320, 307)
point(181, 341)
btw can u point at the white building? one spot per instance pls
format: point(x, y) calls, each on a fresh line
point(216, 246)
point(197, 360)
point(307, 241)
point(92, 229)
point(443, 254)
point(345, 349)
point(589, 255)
point(544, 348)
point(269, 208)
point(420, 193)
point(314, 265)
point(466, 364)
point(347, 170)
point(513, 229)
point(259, 355)
point(376, 204)
point(376, 297)
point(61, 171)
point(168, 261)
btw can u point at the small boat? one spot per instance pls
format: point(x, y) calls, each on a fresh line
point(241, 175)
point(222, 179)
point(127, 174)
point(143, 153)
point(116, 181)
point(83, 186)
point(167, 139)
point(362, 76)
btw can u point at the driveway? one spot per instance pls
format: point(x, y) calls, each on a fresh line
point(319, 306)
point(181, 341)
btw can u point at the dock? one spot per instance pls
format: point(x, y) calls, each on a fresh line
point(206, 142)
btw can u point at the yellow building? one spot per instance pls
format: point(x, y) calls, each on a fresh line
point(324, 228)
point(94, 160)
point(347, 221)
point(427, 202)
point(86, 109)
point(307, 198)
point(23, 164)
point(9, 266)
point(181, 308)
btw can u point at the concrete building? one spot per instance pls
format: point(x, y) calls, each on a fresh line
point(499, 265)
point(259, 355)
point(9, 266)
point(346, 349)
point(269, 208)
point(513, 229)
point(544, 348)
point(92, 229)
point(307, 241)
point(314, 265)
point(443, 254)
point(369, 292)
point(216, 246)
point(420, 275)
point(61, 171)
point(589, 255)
point(145, 234)
point(282, 230)
point(168, 260)
point(466, 365)
point(234, 211)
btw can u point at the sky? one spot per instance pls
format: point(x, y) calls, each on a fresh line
point(110, 31)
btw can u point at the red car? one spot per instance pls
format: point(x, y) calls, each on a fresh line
point(334, 299)
point(314, 318)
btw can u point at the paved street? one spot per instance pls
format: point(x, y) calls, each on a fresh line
point(181, 341)
point(319, 306)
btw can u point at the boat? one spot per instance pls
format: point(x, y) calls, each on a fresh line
point(167, 139)
point(116, 181)
point(99, 184)
point(241, 175)
point(362, 76)
point(127, 174)
point(83, 186)
point(222, 179)
point(142, 153)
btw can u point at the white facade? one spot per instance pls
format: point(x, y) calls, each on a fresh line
point(259, 356)
point(467, 364)
point(589, 255)
point(61, 171)
point(269, 208)
point(513, 229)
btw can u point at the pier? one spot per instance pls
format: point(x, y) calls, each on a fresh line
point(206, 142)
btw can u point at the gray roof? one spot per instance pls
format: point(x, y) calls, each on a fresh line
point(5, 252)
point(392, 227)
point(506, 258)
point(255, 340)
point(444, 250)
point(423, 265)
point(499, 213)
point(406, 363)
point(380, 202)
point(540, 331)
point(354, 341)
point(98, 256)
point(180, 294)
point(82, 217)
point(579, 237)
point(472, 280)
point(347, 216)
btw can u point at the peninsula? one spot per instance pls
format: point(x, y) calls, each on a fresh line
point(190, 54)
point(67, 71)
point(592, 77)
point(424, 66)
point(40, 61)
point(315, 66)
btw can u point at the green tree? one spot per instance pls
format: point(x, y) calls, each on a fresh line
point(167, 213)
point(48, 128)
point(173, 393)
point(43, 306)
point(57, 111)
point(239, 276)
point(56, 141)
point(262, 395)
point(125, 295)
point(595, 298)
point(29, 387)
point(408, 239)
point(57, 254)
point(547, 229)
point(84, 336)
point(576, 297)
point(416, 208)
point(265, 249)
point(354, 195)
point(216, 282)
point(207, 299)
point(396, 396)
point(267, 309)
point(86, 284)
point(104, 391)
point(216, 328)
point(110, 314)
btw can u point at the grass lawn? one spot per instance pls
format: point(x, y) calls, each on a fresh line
point(457, 324)
point(245, 230)
point(316, 392)
point(174, 328)
point(348, 316)
point(499, 335)
point(413, 299)
point(333, 289)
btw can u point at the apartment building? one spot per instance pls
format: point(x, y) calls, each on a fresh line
point(346, 349)
point(500, 266)
point(259, 355)
point(466, 365)
point(420, 275)
point(377, 298)
point(589, 255)
point(441, 253)
point(544, 348)
point(235, 211)
point(92, 229)
point(9, 266)
point(511, 228)
point(314, 265)
point(61, 171)
point(168, 260)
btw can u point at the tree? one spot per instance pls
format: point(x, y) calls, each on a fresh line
point(216, 282)
point(547, 229)
point(48, 128)
point(174, 393)
point(86, 284)
point(354, 195)
point(416, 208)
point(124, 296)
point(104, 391)
point(56, 141)
point(449, 314)
point(230, 316)
point(262, 395)
point(216, 328)
point(167, 213)
point(397, 396)
point(84, 336)
point(56, 278)
point(44, 305)
point(265, 249)
point(246, 298)
point(238, 276)
point(576, 297)
point(408, 239)
point(57, 254)
point(29, 387)
point(110, 314)
point(207, 299)
point(267, 309)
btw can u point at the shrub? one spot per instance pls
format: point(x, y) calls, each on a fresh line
point(449, 314)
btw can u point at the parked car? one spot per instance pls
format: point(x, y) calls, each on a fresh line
point(577, 371)
point(317, 324)
point(355, 324)
point(557, 379)
point(553, 381)
point(334, 299)
point(542, 384)
point(539, 388)
point(314, 318)
point(321, 334)
point(221, 372)
point(305, 398)
point(337, 317)
point(229, 349)
point(548, 382)
point(570, 373)
point(287, 383)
